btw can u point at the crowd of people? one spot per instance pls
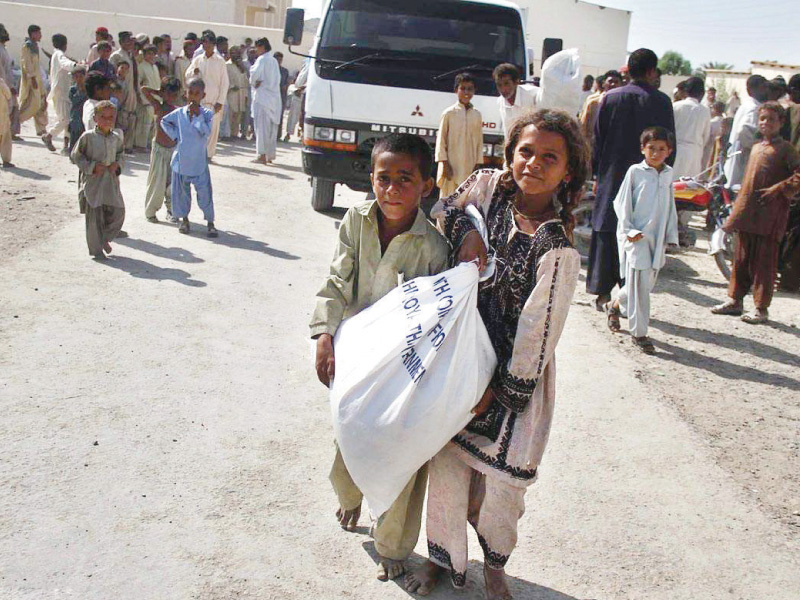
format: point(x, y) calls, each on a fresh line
point(162, 103)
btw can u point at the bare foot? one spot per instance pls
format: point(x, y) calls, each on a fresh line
point(348, 519)
point(389, 569)
point(107, 248)
point(496, 587)
point(422, 581)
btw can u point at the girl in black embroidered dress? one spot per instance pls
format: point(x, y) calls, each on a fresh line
point(488, 466)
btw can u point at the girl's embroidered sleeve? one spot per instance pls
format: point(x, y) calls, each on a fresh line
point(538, 329)
point(449, 212)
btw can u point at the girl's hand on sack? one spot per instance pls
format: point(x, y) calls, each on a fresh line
point(325, 363)
point(485, 403)
point(473, 248)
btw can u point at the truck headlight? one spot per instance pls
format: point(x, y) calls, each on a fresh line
point(325, 134)
point(346, 136)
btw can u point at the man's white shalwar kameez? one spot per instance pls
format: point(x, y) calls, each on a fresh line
point(525, 99)
point(266, 106)
point(214, 73)
point(743, 136)
point(692, 132)
point(644, 204)
point(60, 81)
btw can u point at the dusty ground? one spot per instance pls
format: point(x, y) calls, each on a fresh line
point(165, 437)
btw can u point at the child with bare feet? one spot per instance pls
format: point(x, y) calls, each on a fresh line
point(481, 476)
point(98, 156)
point(382, 243)
point(159, 177)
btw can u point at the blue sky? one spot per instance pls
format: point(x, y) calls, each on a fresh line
point(732, 31)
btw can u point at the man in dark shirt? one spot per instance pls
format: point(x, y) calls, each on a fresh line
point(284, 90)
point(624, 113)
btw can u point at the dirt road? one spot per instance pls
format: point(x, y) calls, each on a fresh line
point(164, 435)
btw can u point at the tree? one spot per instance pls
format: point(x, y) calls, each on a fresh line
point(718, 66)
point(673, 63)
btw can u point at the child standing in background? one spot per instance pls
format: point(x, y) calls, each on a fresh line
point(459, 142)
point(98, 156)
point(77, 98)
point(160, 175)
point(646, 222)
point(190, 126)
point(759, 216)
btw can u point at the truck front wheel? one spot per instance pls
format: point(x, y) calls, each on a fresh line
point(322, 194)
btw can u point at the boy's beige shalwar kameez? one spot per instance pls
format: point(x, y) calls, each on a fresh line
point(460, 143)
point(360, 276)
point(32, 93)
point(5, 122)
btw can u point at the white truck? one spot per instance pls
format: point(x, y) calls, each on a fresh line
point(382, 66)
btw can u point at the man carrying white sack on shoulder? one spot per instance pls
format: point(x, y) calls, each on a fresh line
point(381, 243)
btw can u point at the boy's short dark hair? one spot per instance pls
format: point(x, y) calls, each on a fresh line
point(719, 106)
point(263, 43)
point(150, 48)
point(79, 69)
point(464, 78)
point(657, 134)
point(278, 55)
point(124, 35)
point(157, 40)
point(221, 39)
point(754, 82)
point(191, 36)
point(712, 89)
point(612, 73)
point(695, 87)
point(640, 62)
point(210, 37)
point(408, 144)
point(506, 70)
point(115, 86)
point(95, 81)
point(33, 29)
point(588, 80)
point(59, 41)
point(197, 82)
point(794, 82)
point(104, 45)
point(170, 84)
point(774, 107)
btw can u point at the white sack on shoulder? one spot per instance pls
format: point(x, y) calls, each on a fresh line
point(561, 82)
point(409, 369)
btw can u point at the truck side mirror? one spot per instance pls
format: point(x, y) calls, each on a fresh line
point(293, 29)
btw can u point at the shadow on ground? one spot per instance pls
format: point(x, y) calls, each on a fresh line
point(474, 589)
point(243, 242)
point(145, 270)
point(174, 253)
point(721, 368)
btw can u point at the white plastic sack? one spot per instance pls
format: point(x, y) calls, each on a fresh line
point(409, 369)
point(561, 82)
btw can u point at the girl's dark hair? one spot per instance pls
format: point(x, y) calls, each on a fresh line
point(408, 144)
point(555, 121)
point(776, 108)
point(657, 134)
point(463, 78)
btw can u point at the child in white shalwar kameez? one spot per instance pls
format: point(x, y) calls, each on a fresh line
point(647, 223)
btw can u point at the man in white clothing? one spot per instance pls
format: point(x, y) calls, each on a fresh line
point(709, 98)
point(692, 130)
point(743, 130)
point(211, 68)
point(266, 106)
point(60, 81)
point(514, 99)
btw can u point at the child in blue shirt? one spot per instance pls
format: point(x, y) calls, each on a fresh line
point(190, 127)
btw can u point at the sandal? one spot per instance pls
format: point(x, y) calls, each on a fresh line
point(757, 317)
point(184, 228)
point(644, 344)
point(728, 308)
point(612, 317)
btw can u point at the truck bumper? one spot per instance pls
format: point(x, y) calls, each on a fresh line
point(348, 168)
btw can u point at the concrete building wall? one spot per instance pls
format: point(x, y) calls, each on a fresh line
point(79, 25)
point(258, 13)
point(600, 34)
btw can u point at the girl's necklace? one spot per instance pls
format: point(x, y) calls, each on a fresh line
point(539, 218)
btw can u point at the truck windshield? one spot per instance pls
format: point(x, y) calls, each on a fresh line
point(426, 37)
